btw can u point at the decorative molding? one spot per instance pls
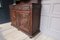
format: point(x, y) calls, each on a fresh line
point(44, 25)
point(55, 24)
point(45, 9)
point(56, 10)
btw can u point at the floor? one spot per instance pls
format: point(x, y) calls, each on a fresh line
point(8, 32)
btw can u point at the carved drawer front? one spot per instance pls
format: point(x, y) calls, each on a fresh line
point(24, 7)
point(23, 17)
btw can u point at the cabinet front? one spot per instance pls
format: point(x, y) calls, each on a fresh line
point(24, 20)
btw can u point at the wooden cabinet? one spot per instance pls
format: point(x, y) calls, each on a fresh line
point(26, 17)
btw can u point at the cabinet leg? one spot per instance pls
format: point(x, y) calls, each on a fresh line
point(31, 36)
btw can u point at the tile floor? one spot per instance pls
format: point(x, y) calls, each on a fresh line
point(8, 32)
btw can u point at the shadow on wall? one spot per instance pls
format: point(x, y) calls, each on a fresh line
point(1, 35)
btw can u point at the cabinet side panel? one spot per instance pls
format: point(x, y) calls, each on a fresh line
point(13, 16)
point(35, 17)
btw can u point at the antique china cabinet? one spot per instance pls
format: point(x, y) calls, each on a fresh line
point(25, 16)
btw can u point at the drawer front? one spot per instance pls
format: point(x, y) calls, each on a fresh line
point(24, 7)
point(24, 20)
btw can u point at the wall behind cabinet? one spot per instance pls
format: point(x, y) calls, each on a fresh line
point(4, 11)
point(50, 18)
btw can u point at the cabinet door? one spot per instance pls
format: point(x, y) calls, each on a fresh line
point(13, 17)
point(24, 20)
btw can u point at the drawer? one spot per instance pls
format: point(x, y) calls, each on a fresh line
point(24, 7)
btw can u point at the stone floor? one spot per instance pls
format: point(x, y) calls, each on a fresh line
point(8, 32)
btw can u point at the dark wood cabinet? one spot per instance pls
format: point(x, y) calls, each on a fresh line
point(26, 17)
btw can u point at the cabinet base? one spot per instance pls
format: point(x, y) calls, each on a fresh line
point(31, 36)
point(27, 33)
point(34, 34)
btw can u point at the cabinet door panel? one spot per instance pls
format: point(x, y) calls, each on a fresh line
point(23, 18)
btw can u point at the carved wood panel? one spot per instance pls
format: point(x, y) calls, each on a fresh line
point(23, 18)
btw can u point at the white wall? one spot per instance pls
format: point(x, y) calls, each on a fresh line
point(50, 18)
